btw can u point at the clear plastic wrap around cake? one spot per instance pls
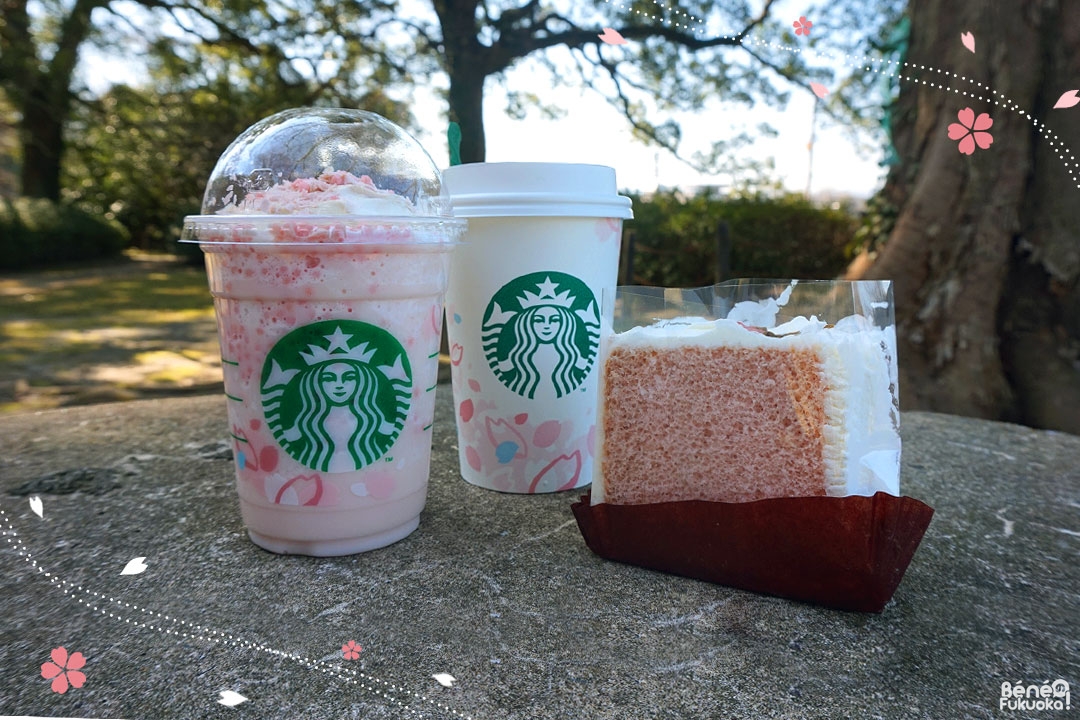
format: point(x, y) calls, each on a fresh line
point(754, 421)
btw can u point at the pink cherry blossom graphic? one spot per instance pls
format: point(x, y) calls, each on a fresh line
point(612, 37)
point(351, 650)
point(64, 670)
point(1068, 99)
point(971, 131)
point(802, 26)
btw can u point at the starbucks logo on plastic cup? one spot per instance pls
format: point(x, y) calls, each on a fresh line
point(336, 394)
point(541, 330)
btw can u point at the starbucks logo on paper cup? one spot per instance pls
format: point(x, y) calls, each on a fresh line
point(336, 393)
point(541, 329)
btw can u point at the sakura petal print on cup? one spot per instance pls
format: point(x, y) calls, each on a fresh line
point(523, 318)
point(328, 287)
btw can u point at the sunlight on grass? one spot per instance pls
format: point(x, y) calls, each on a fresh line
point(119, 325)
point(101, 299)
point(143, 317)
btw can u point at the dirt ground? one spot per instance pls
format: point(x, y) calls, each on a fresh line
point(127, 330)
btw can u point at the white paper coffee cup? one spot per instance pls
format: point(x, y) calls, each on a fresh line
point(523, 318)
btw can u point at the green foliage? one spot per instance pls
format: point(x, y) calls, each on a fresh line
point(9, 147)
point(676, 238)
point(878, 221)
point(143, 157)
point(35, 232)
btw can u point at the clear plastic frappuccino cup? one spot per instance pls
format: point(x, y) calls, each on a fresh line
point(327, 239)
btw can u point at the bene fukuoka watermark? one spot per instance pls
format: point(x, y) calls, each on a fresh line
point(1047, 696)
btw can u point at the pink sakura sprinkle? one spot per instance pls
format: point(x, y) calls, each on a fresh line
point(752, 328)
point(343, 177)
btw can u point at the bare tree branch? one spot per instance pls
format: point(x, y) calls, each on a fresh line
point(624, 105)
point(519, 42)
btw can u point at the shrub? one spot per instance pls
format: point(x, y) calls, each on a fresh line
point(36, 232)
point(785, 237)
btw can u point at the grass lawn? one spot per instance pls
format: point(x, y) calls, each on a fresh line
point(140, 327)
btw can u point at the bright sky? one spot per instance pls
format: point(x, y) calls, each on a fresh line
point(592, 131)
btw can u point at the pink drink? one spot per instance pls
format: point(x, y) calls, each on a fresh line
point(298, 502)
point(329, 328)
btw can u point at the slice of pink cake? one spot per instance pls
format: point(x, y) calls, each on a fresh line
point(716, 410)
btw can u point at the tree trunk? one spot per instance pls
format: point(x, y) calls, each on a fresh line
point(467, 110)
point(42, 94)
point(983, 255)
point(467, 63)
point(41, 133)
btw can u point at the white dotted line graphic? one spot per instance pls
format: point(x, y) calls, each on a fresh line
point(1059, 148)
point(183, 629)
point(1063, 153)
point(670, 10)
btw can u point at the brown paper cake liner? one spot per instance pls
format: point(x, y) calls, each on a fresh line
point(848, 553)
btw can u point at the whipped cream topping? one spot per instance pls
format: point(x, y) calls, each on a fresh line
point(334, 192)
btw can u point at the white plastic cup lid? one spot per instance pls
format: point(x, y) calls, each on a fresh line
point(520, 189)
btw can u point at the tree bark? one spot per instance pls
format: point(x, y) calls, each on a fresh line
point(41, 134)
point(983, 254)
point(466, 100)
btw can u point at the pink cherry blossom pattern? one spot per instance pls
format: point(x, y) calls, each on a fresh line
point(465, 410)
point(560, 474)
point(351, 650)
point(306, 490)
point(63, 670)
point(501, 433)
point(473, 458)
point(971, 131)
point(802, 26)
point(547, 433)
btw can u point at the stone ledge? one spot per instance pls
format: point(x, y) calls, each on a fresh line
point(500, 592)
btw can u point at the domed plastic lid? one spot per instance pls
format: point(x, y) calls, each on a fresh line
point(325, 162)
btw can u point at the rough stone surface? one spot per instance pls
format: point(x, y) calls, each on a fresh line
point(500, 592)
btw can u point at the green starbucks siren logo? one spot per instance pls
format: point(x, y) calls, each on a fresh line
point(541, 329)
point(336, 393)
